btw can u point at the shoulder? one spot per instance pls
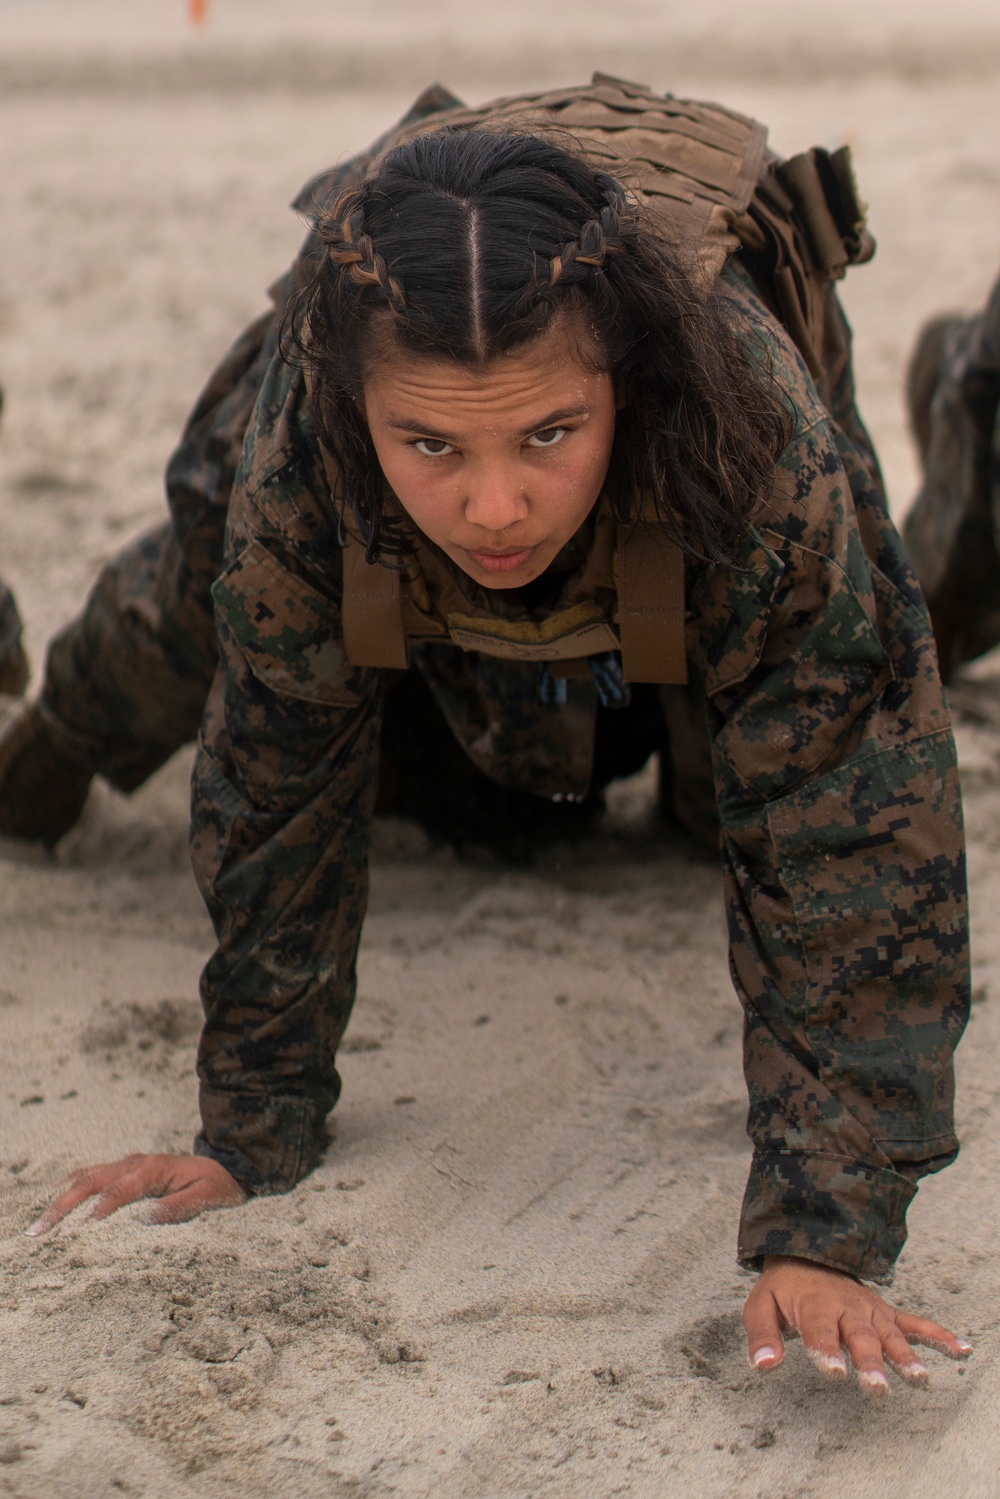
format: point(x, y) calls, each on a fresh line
point(279, 599)
point(283, 491)
point(773, 351)
point(811, 503)
point(280, 435)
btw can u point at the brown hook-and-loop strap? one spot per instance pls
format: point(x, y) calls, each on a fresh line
point(372, 619)
point(651, 606)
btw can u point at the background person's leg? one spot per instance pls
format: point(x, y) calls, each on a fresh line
point(13, 661)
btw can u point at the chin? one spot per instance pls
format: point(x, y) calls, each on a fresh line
point(516, 578)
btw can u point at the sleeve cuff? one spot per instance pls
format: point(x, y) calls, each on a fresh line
point(831, 1209)
point(267, 1143)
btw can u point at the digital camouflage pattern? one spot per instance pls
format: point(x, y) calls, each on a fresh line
point(953, 530)
point(813, 738)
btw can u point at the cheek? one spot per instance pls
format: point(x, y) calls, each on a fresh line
point(425, 495)
point(565, 494)
point(586, 466)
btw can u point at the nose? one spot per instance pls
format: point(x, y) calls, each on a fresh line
point(496, 500)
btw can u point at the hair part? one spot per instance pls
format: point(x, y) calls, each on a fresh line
point(464, 245)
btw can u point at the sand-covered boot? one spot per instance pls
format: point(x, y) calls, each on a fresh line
point(42, 793)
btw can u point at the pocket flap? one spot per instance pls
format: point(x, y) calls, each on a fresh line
point(289, 632)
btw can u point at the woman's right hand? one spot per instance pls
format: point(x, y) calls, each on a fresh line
point(186, 1185)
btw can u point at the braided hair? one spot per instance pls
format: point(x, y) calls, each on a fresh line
point(348, 246)
point(464, 245)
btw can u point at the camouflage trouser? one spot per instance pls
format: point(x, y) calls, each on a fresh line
point(126, 682)
point(953, 531)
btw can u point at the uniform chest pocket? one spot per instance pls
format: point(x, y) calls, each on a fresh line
point(288, 631)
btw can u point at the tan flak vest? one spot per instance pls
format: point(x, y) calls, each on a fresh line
point(709, 187)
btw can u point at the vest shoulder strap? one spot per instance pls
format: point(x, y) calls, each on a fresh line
point(651, 611)
point(372, 612)
point(372, 602)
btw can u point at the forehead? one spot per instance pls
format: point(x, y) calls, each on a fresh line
point(559, 362)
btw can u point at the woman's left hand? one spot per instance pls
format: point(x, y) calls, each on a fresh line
point(833, 1312)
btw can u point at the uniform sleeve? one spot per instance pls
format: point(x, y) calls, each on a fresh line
point(282, 800)
point(843, 859)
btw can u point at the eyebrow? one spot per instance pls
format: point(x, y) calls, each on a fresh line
point(553, 419)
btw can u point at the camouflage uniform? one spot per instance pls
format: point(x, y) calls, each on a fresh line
point(953, 529)
point(813, 720)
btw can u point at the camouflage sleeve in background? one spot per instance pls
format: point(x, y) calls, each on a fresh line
point(282, 801)
point(842, 853)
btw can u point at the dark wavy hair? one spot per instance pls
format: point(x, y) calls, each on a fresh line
point(464, 244)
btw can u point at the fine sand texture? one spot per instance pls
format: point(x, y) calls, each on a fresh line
point(513, 1274)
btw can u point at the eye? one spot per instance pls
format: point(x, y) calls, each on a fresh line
point(548, 437)
point(433, 447)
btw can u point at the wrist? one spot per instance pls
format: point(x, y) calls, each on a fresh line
point(780, 1261)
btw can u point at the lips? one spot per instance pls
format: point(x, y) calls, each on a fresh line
point(501, 562)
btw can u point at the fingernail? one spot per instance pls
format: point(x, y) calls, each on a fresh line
point(963, 1346)
point(874, 1381)
point(36, 1228)
point(916, 1370)
point(763, 1356)
point(832, 1364)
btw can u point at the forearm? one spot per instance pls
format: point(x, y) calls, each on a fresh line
point(282, 799)
point(287, 895)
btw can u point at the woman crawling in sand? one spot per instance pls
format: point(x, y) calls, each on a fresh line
point(550, 438)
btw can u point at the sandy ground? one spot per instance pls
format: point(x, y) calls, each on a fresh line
point(513, 1275)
